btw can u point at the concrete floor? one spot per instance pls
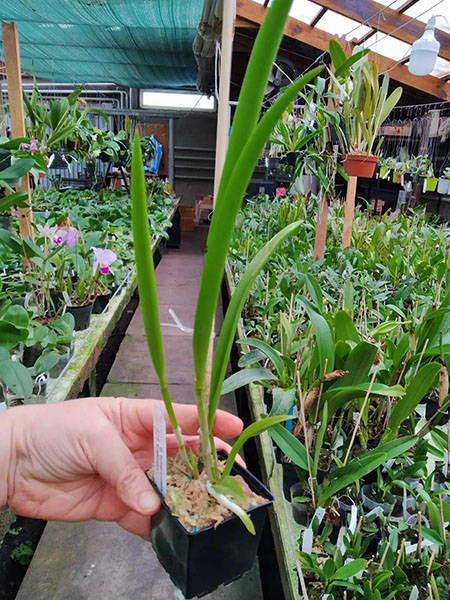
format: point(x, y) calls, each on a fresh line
point(100, 561)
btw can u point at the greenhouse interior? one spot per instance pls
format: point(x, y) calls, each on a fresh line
point(224, 299)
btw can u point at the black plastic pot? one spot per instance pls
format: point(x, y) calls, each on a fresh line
point(432, 407)
point(200, 562)
point(58, 300)
point(101, 302)
point(291, 158)
point(31, 354)
point(82, 315)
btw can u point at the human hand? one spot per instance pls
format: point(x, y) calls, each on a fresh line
point(85, 459)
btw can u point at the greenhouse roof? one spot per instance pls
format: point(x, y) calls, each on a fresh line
point(387, 27)
point(133, 43)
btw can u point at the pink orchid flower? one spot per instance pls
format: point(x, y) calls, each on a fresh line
point(33, 146)
point(103, 260)
point(281, 191)
point(69, 235)
point(48, 232)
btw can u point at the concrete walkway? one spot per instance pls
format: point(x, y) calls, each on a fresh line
point(100, 561)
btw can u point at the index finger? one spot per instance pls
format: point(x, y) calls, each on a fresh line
point(140, 414)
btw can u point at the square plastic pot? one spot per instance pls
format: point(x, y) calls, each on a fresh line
point(198, 563)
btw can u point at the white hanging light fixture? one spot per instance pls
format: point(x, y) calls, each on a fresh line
point(424, 51)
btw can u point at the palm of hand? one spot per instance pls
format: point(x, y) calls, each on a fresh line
point(85, 459)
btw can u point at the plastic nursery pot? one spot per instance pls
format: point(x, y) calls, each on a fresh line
point(299, 509)
point(432, 184)
point(384, 172)
point(359, 165)
point(290, 476)
point(101, 302)
point(200, 562)
point(57, 300)
point(291, 158)
point(61, 364)
point(369, 503)
point(31, 354)
point(432, 407)
point(443, 186)
point(6, 222)
point(82, 315)
point(439, 483)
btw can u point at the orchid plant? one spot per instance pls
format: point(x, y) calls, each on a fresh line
point(104, 258)
point(247, 139)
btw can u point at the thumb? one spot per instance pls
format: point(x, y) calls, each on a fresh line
point(116, 465)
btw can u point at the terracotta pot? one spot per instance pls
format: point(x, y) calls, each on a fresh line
point(359, 165)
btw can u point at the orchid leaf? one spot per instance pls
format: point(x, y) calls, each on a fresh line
point(250, 431)
point(244, 377)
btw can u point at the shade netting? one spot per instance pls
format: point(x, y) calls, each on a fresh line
point(134, 43)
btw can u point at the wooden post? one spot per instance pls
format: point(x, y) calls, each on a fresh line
point(321, 229)
point(349, 212)
point(14, 78)
point(223, 113)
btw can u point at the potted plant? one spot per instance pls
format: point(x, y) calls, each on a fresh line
point(210, 547)
point(364, 105)
point(444, 182)
point(104, 258)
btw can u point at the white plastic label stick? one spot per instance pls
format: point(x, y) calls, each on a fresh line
point(159, 449)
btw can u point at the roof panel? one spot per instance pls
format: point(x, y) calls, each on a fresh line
point(336, 24)
point(388, 46)
point(303, 10)
point(424, 9)
point(441, 68)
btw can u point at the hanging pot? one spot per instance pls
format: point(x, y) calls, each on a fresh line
point(443, 186)
point(384, 172)
point(200, 562)
point(432, 184)
point(359, 165)
point(101, 302)
point(82, 315)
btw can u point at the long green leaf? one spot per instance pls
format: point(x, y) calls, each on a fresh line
point(418, 387)
point(245, 377)
point(345, 328)
point(146, 279)
point(19, 168)
point(223, 222)
point(273, 355)
point(17, 378)
point(358, 365)
point(250, 431)
point(322, 334)
point(290, 446)
point(355, 470)
point(234, 311)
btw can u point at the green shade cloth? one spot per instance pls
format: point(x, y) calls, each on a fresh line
point(133, 43)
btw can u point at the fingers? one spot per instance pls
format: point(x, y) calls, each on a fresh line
point(114, 462)
point(140, 415)
point(137, 524)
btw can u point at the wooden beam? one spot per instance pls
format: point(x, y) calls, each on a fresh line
point(320, 39)
point(349, 212)
point(17, 117)
point(319, 15)
point(384, 19)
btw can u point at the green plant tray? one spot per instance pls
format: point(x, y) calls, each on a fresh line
point(90, 343)
point(284, 529)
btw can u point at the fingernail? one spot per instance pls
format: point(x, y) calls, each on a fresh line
point(148, 502)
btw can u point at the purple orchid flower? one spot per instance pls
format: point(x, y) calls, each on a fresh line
point(48, 232)
point(33, 146)
point(103, 260)
point(69, 235)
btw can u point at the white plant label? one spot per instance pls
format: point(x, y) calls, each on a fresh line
point(353, 519)
point(307, 541)
point(159, 449)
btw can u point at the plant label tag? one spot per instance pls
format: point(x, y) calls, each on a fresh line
point(159, 449)
point(445, 465)
point(307, 541)
point(353, 519)
point(66, 298)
